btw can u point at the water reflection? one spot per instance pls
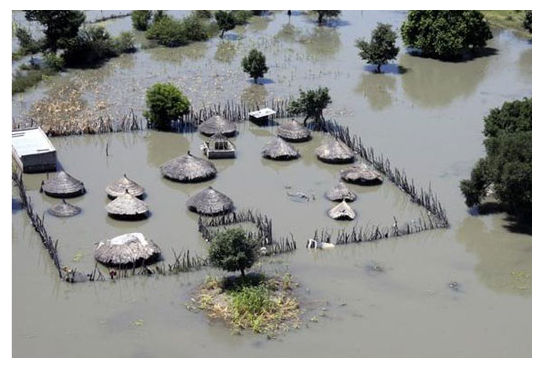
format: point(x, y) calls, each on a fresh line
point(377, 89)
point(288, 32)
point(259, 24)
point(432, 83)
point(503, 263)
point(526, 64)
point(176, 55)
point(225, 51)
point(321, 42)
point(162, 146)
point(255, 94)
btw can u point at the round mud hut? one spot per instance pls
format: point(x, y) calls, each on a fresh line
point(218, 124)
point(63, 185)
point(362, 175)
point(64, 209)
point(127, 250)
point(342, 211)
point(210, 202)
point(335, 152)
point(293, 131)
point(122, 185)
point(340, 192)
point(278, 149)
point(188, 169)
point(127, 207)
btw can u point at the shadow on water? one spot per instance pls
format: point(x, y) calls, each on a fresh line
point(511, 223)
point(468, 56)
point(386, 69)
point(231, 36)
point(378, 89)
point(254, 94)
point(16, 205)
point(262, 81)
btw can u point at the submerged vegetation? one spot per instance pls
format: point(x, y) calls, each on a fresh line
point(165, 103)
point(506, 171)
point(170, 32)
point(517, 20)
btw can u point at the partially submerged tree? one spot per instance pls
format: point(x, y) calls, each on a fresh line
point(528, 21)
point(381, 48)
point(507, 168)
point(141, 19)
point(60, 25)
point(233, 251)
point(165, 103)
point(311, 103)
point(254, 64)
point(225, 20)
point(322, 14)
point(445, 34)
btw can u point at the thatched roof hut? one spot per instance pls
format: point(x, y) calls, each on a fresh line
point(340, 192)
point(361, 174)
point(293, 131)
point(126, 206)
point(278, 149)
point(188, 168)
point(335, 152)
point(122, 185)
point(63, 185)
point(127, 250)
point(342, 211)
point(210, 202)
point(218, 124)
point(64, 209)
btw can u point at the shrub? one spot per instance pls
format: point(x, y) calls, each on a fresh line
point(241, 16)
point(141, 19)
point(92, 45)
point(326, 14)
point(311, 103)
point(172, 32)
point(27, 44)
point(125, 43)
point(194, 28)
point(165, 103)
point(528, 21)
point(507, 166)
point(445, 34)
point(206, 14)
point(232, 251)
point(381, 48)
point(53, 61)
point(254, 64)
point(225, 21)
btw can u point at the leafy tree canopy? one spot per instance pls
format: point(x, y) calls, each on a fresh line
point(165, 103)
point(507, 168)
point(322, 14)
point(311, 103)
point(445, 33)
point(381, 48)
point(528, 20)
point(254, 64)
point(233, 251)
point(141, 19)
point(60, 25)
point(225, 20)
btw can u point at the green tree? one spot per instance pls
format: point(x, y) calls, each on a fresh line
point(165, 103)
point(28, 45)
point(60, 25)
point(254, 64)
point(381, 48)
point(311, 103)
point(233, 251)
point(507, 167)
point(141, 19)
point(225, 20)
point(322, 14)
point(92, 45)
point(445, 34)
point(528, 20)
point(206, 14)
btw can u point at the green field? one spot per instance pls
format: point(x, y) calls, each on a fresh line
point(511, 19)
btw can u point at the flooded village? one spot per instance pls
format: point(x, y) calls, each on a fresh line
point(268, 182)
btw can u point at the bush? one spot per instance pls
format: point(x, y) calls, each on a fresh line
point(194, 28)
point(241, 16)
point(27, 44)
point(172, 33)
point(53, 61)
point(311, 103)
point(382, 47)
point(232, 251)
point(254, 64)
point(322, 14)
point(92, 45)
point(205, 14)
point(445, 34)
point(165, 103)
point(508, 164)
point(125, 43)
point(141, 19)
point(528, 21)
point(225, 21)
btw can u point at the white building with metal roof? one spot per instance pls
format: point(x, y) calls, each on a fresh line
point(32, 150)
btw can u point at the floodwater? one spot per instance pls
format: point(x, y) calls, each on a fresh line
point(425, 116)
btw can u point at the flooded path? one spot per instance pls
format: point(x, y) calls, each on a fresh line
point(388, 298)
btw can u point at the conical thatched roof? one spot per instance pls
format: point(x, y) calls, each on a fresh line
point(122, 185)
point(218, 124)
point(126, 205)
point(340, 192)
point(278, 149)
point(64, 209)
point(361, 174)
point(335, 151)
point(210, 202)
point(293, 131)
point(127, 249)
point(63, 185)
point(342, 211)
point(188, 168)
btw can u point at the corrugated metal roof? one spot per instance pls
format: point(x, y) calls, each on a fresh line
point(261, 113)
point(31, 142)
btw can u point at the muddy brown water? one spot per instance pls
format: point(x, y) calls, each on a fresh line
point(427, 120)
